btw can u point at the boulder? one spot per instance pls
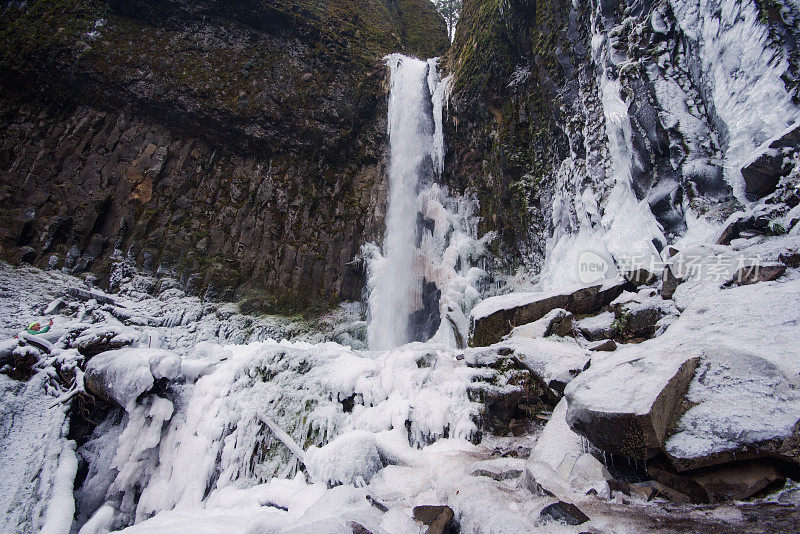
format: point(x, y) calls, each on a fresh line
point(563, 512)
point(439, 519)
point(495, 317)
point(728, 482)
point(606, 345)
point(625, 403)
point(757, 272)
point(744, 407)
point(765, 169)
point(636, 315)
point(551, 363)
point(598, 327)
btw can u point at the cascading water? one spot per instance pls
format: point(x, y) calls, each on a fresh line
point(423, 281)
point(395, 287)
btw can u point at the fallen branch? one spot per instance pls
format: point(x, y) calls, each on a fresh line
point(285, 438)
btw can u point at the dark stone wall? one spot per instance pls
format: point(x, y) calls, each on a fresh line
point(238, 147)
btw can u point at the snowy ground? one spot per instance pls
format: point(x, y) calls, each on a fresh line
point(199, 441)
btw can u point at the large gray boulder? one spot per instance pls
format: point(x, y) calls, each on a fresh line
point(495, 317)
point(765, 169)
point(626, 403)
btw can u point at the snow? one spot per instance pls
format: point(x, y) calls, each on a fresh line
point(631, 377)
point(61, 506)
point(549, 360)
point(351, 458)
point(34, 458)
point(538, 329)
point(125, 374)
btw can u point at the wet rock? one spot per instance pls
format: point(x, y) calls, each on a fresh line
point(721, 483)
point(498, 468)
point(563, 512)
point(439, 519)
point(652, 489)
point(495, 317)
point(607, 345)
point(765, 169)
point(625, 404)
point(757, 272)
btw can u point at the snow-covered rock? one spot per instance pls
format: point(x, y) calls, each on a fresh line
point(626, 402)
point(765, 168)
point(494, 317)
point(352, 458)
point(555, 322)
point(598, 327)
point(120, 376)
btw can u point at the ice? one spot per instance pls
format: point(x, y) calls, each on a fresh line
point(557, 447)
point(125, 374)
point(61, 506)
point(34, 458)
point(743, 73)
point(351, 458)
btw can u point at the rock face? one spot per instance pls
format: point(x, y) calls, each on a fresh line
point(770, 163)
point(238, 148)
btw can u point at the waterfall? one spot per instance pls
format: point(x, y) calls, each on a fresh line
point(396, 284)
point(423, 281)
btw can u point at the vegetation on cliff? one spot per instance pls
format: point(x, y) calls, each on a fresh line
point(506, 112)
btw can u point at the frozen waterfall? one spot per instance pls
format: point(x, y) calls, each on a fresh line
point(410, 133)
point(421, 282)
